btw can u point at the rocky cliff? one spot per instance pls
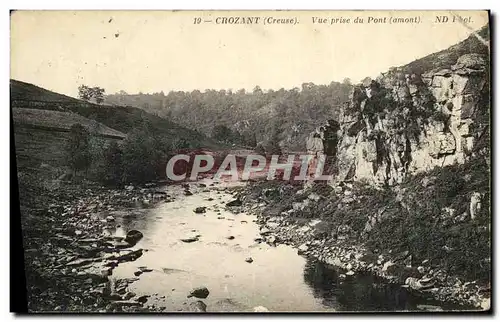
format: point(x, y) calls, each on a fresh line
point(402, 123)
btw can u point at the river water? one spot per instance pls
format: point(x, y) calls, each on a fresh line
point(277, 279)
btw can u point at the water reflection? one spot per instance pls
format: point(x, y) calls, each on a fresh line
point(360, 292)
point(278, 278)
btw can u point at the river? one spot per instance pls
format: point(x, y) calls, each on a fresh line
point(277, 279)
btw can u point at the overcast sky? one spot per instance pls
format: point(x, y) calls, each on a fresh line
point(153, 51)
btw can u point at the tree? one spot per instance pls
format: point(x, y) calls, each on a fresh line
point(273, 146)
point(113, 164)
point(78, 148)
point(250, 139)
point(87, 93)
point(311, 104)
point(347, 81)
point(259, 149)
point(143, 155)
point(257, 90)
point(222, 133)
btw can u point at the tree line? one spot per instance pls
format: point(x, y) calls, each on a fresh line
point(246, 118)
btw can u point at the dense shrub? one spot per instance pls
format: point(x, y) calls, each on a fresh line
point(78, 148)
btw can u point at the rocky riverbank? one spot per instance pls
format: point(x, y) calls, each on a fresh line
point(289, 215)
point(70, 254)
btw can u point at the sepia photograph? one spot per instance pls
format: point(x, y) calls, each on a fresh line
point(260, 162)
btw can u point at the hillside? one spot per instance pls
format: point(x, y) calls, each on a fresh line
point(123, 119)
point(291, 114)
point(60, 121)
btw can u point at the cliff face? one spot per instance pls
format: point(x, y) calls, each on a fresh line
point(404, 123)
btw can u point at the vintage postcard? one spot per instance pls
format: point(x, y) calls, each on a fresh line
point(252, 161)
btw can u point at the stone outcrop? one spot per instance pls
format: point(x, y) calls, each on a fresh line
point(407, 123)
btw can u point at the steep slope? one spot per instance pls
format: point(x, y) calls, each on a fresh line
point(406, 122)
point(124, 119)
point(60, 121)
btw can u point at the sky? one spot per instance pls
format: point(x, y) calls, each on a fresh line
point(153, 51)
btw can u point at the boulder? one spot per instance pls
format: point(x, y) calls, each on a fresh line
point(272, 225)
point(387, 265)
point(442, 144)
point(302, 249)
point(197, 306)
point(249, 260)
point(121, 244)
point(199, 292)
point(200, 210)
point(142, 299)
point(129, 256)
point(144, 269)
point(265, 231)
point(470, 61)
point(419, 284)
point(475, 205)
point(314, 197)
point(271, 240)
point(190, 239)
point(299, 206)
point(128, 295)
point(234, 203)
point(133, 237)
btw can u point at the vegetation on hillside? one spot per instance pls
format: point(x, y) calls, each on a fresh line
point(122, 118)
point(140, 158)
point(428, 216)
point(247, 118)
point(78, 148)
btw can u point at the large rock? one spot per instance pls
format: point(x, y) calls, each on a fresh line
point(200, 292)
point(197, 306)
point(302, 249)
point(133, 237)
point(419, 284)
point(470, 61)
point(200, 210)
point(234, 203)
point(189, 239)
point(442, 144)
point(475, 205)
